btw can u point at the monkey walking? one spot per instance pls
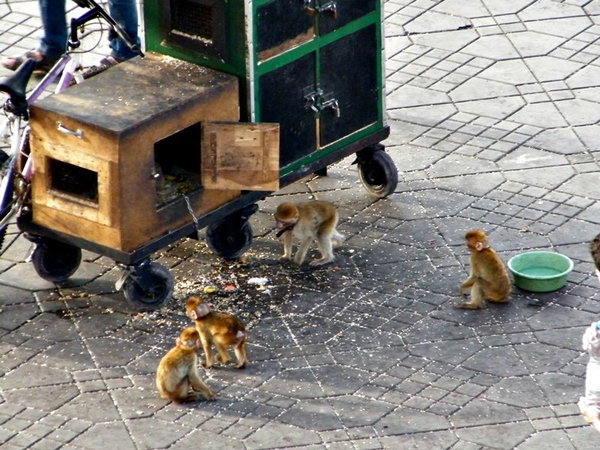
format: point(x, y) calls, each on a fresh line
point(306, 222)
point(221, 329)
point(177, 376)
point(488, 278)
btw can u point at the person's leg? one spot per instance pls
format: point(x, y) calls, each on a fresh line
point(125, 14)
point(54, 41)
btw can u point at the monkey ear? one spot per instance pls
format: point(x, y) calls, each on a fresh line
point(479, 246)
point(178, 342)
point(193, 314)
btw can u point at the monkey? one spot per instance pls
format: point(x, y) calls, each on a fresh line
point(589, 406)
point(177, 376)
point(595, 251)
point(307, 222)
point(221, 329)
point(488, 278)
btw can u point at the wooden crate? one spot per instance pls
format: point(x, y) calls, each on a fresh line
point(96, 148)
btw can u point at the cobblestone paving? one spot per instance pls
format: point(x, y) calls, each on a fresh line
point(494, 110)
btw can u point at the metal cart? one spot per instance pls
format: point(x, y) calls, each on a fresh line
point(314, 67)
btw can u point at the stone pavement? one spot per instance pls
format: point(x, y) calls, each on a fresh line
point(494, 110)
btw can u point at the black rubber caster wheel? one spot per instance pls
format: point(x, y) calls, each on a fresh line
point(148, 286)
point(55, 261)
point(377, 172)
point(229, 239)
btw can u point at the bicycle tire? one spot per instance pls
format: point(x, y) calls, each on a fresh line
point(7, 201)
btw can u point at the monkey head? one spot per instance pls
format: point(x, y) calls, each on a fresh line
point(286, 215)
point(189, 339)
point(196, 308)
point(476, 240)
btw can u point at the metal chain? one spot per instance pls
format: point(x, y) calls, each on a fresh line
point(191, 211)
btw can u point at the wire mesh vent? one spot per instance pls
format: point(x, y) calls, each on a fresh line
point(192, 19)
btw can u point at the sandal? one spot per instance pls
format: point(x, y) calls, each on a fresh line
point(105, 63)
point(43, 63)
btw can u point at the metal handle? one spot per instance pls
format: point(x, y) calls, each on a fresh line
point(334, 106)
point(308, 8)
point(329, 9)
point(76, 133)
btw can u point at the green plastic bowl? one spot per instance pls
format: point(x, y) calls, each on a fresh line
point(540, 271)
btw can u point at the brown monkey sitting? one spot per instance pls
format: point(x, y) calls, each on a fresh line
point(177, 376)
point(221, 329)
point(488, 278)
point(307, 222)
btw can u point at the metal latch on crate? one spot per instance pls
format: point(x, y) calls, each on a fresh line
point(317, 102)
point(328, 8)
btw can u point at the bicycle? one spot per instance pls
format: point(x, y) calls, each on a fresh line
point(16, 168)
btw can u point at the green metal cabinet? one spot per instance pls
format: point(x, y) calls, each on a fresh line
point(313, 66)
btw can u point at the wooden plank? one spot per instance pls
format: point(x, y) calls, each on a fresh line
point(241, 156)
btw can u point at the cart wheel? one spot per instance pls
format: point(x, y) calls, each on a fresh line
point(377, 172)
point(148, 286)
point(229, 239)
point(55, 261)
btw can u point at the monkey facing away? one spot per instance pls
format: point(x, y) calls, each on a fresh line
point(177, 376)
point(221, 329)
point(306, 222)
point(488, 278)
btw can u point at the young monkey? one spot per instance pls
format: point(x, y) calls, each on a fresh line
point(307, 222)
point(177, 376)
point(589, 406)
point(221, 329)
point(488, 278)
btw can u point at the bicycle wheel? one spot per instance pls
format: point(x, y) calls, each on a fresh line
point(6, 203)
point(16, 193)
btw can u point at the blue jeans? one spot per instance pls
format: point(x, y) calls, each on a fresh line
point(54, 41)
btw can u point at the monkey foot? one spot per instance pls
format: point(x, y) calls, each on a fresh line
point(319, 262)
point(191, 397)
point(467, 305)
point(210, 398)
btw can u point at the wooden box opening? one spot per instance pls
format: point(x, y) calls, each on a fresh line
point(178, 165)
point(75, 182)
